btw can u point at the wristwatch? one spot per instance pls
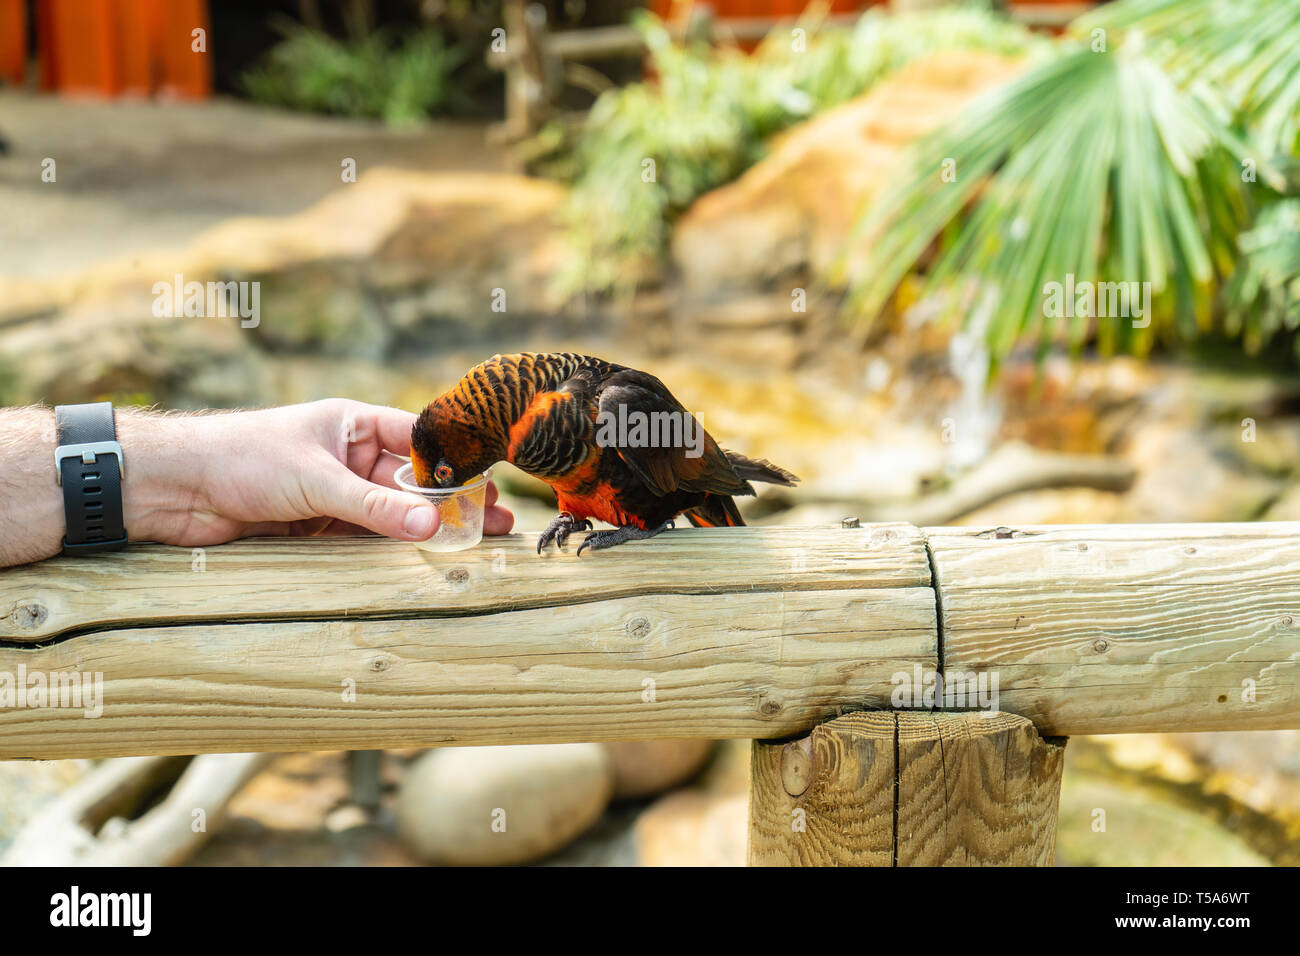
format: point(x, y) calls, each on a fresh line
point(90, 469)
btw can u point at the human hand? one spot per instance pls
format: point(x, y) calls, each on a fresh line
point(323, 467)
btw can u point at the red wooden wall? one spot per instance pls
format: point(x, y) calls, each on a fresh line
point(110, 47)
point(13, 40)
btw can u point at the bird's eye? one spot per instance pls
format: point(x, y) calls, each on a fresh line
point(442, 472)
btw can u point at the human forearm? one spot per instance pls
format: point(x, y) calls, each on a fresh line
point(31, 508)
point(158, 491)
point(201, 479)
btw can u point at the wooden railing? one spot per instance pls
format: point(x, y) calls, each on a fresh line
point(762, 633)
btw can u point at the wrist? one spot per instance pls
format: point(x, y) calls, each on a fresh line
point(32, 529)
point(160, 485)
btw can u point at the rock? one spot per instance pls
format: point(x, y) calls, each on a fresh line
point(347, 817)
point(1049, 506)
point(646, 767)
point(1140, 830)
point(321, 308)
point(610, 842)
point(386, 214)
point(1272, 446)
point(485, 806)
point(1286, 507)
point(1259, 769)
point(116, 348)
point(1182, 477)
point(394, 264)
point(791, 214)
point(297, 812)
point(399, 256)
point(694, 829)
point(27, 786)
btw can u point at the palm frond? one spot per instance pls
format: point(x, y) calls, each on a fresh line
point(1249, 50)
point(1095, 167)
point(1263, 297)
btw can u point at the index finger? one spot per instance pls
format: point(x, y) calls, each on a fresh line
point(393, 426)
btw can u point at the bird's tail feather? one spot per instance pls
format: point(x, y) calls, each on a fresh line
point(716, 511)
point(759, 469)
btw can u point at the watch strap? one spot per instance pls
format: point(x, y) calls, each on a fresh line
point(90, 471)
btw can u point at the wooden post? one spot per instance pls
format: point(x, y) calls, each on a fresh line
point(531, 72)
point(907, 789)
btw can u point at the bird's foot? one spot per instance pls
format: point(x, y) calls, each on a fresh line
point(599, 540)
point(560, 529)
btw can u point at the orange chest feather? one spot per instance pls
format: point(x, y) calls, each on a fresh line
point(583, 495)
point(601, 503)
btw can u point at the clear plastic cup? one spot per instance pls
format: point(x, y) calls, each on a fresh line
point(461, 510)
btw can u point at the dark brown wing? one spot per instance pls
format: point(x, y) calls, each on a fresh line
point(555, 434)
point(661, 455)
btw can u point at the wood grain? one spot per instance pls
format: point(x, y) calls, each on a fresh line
point(758, 664)
point(976, 789)
point(1128, 628)
point(846, 816)
point(909, 789)
point(745, 632)
point(339, 578)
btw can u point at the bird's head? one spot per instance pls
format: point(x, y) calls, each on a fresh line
point(446, 451)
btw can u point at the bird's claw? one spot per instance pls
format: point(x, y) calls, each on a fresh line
point(599, 540)
point(559, 530)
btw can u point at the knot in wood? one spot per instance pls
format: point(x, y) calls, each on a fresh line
point(29, 616)
point(1101, 646)
point(797, 766)
point(381, 663)
point(638, 627)
point(457, 576)
point(769, 706)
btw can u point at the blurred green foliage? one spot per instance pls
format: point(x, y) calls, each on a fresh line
point(1154, 147)
point(1263, 297)
point(374, 76)
point(706, 115)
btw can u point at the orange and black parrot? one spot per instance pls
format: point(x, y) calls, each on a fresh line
point(613, 442)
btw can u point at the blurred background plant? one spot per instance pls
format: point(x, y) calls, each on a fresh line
point(706, 115)
point(1263, 297)
point(1154, 147)
point(398, 80)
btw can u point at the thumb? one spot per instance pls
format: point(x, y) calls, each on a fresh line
point(385, 511)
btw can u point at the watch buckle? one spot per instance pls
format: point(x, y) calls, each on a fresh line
point(89, 452)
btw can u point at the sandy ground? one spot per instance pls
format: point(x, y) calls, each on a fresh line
point(136, 175)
